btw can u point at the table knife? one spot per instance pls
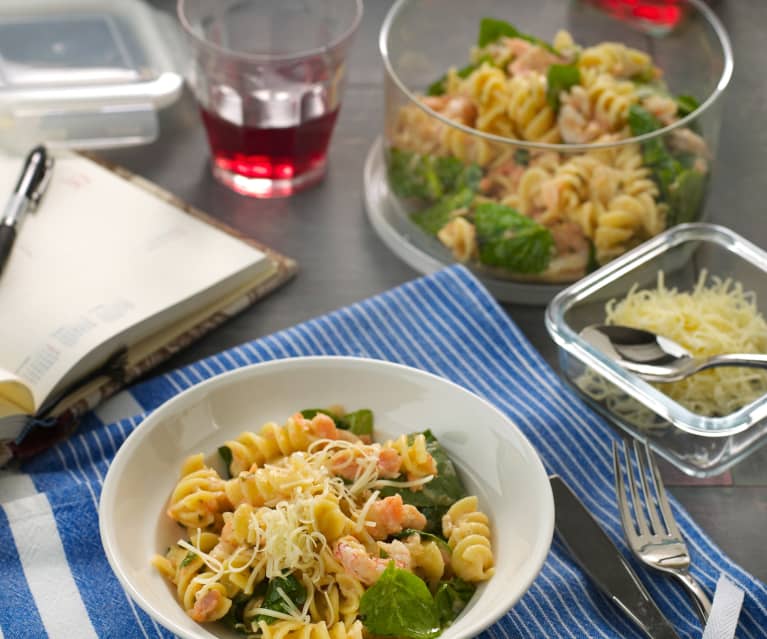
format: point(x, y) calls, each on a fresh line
point(601, 560)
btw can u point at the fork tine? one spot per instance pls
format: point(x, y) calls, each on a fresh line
point(620, 488)
point(650, 496)
point(641, 520)
point(668, 516)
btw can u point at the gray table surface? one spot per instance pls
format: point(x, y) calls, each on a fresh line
point(342, 260)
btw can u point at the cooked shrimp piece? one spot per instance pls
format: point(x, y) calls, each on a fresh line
point(568, 238)
point(662, 107)
point(346, 462)
point(459, 108)
point(530, 57)
point(206, 607)
point(390, 516)
point(688, 141)
point(359, 563)
point(226, 545)
point(576, 120)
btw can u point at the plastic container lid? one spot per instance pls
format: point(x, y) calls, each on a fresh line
point(85, 73)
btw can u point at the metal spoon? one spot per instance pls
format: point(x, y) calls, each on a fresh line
point(656, 358)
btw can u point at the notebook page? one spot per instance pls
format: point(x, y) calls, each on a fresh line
point(102, 258)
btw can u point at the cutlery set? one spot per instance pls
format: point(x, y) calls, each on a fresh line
point(650, 530)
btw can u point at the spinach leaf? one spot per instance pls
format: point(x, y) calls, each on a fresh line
point(592, 264)
point(429, 177)
point(293, 589)
point(560, 77)
point(522, 157)
point(399, 604)
point(435, 497)
point(188, 559)
point(491, 29)
point(233, 617)
point(360, 421)
point(451, 597)
point(411, 175)
point(432, 219)
point(681, 186)
point(508, 239)
point(686, 195)
point(685, 104)
point(225, 453)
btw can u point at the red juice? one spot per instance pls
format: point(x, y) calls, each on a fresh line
point(269, 153)
point(665, 14)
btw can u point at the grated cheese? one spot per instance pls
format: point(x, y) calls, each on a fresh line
point(714, 318)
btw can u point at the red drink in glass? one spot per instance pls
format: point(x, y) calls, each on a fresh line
point(662, 14)
point(295, 154)
point(268, 76)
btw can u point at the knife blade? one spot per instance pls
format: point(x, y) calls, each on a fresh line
point(601, 560)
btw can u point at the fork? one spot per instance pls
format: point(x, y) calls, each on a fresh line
point(659, 542)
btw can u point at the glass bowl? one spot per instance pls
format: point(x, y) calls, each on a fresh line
point(697, 444)
point(595, 186)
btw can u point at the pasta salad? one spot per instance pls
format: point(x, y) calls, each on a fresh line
point(543, 214)
point(314, 530)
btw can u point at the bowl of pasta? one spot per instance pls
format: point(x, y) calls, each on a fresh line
point(537, 141)
point(317, 497)
point(702, 286)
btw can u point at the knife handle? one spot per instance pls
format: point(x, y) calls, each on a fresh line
point(653, 623)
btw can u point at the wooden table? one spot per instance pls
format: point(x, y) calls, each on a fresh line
point(342, 260)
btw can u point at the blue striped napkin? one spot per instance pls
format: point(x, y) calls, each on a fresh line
point(56, 580)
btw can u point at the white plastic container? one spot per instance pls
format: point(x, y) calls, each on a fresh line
point(85, 73)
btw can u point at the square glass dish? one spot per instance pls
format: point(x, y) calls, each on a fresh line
point(698, 445)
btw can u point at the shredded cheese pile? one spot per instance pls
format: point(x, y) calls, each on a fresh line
point(714, 318)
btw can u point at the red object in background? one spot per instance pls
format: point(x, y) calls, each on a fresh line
point(663, 13)
point(272, 154)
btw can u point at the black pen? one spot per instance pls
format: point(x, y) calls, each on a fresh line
point(27, 195)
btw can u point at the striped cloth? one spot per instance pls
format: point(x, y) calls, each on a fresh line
point(56, 580)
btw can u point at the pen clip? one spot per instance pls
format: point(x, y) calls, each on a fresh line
point(37, 195)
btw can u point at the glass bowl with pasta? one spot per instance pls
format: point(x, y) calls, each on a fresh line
point(705, 287)
point(316, 496)
point(537, 141)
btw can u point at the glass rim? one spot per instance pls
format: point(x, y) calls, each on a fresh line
point(270, 57)
point(724, 80)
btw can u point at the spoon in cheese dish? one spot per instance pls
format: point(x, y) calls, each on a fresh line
point(655, 358)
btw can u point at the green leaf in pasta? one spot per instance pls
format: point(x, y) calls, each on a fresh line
point(508, 239)
point(360, 422)
point(233, 618)
point(225, 453)
point(429, 177)
point(522, 157)
point(686, 104)
point(491, 29)
point(451, 597)
point(686, 194)
point(412, 175)
point(276, 591)
point(435, 497)
point(399, 604)
point(681, 186)
point(560, 77)
point(188, 559)
point(433, 218)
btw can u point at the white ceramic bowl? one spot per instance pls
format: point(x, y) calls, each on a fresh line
point(495, 460)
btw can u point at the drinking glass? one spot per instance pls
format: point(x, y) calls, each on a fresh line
point(268, 76)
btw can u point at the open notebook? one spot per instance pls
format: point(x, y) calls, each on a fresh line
point(107, 278)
